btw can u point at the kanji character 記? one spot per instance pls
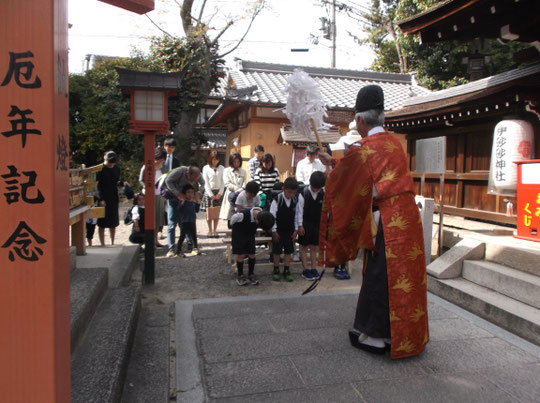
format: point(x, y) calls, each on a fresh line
point(19, 126)
point(13, 184)
point(23, 242)
point(20, 69)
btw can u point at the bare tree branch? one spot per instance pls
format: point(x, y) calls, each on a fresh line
point(202, 10)
point(256, 12)
point(214, 41)
point(158, 27)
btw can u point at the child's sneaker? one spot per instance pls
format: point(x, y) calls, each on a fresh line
point(307, 275)
point(275, 274)
point(253, 279)
point(314, 274)
point(345, 273)
point(287, 275)
point(241, 280)
point(338, 273)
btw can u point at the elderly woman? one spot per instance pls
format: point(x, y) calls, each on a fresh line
point(213, 190)
point(234, 179)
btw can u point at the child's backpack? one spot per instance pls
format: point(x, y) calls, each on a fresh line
point(128, 218)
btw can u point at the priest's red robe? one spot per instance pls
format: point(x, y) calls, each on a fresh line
point(347, 225)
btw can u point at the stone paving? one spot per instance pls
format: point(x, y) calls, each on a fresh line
point(285, 348)
point(269, 344)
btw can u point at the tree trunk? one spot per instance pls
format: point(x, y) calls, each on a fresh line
point(403, 67)
point(188, 117)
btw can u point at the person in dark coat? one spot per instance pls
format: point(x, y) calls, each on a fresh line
point(108, 181)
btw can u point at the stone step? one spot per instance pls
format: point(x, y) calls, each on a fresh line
point(147, 378)
point(519, 258)
point(99, 363)
point(87, 287)
point(513, 283)
point(512, 315)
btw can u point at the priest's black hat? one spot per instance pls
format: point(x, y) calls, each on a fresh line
point(369, 97)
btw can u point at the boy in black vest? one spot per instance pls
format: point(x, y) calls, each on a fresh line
point(310, 202)
point(284, 231)
point(244, 226)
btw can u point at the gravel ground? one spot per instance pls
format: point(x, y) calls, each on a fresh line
point(209, 275)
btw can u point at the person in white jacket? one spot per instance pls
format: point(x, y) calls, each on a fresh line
point(234, 179)
point(308, 165)
point(213, 190)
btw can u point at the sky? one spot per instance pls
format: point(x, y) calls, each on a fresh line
point(101, 29)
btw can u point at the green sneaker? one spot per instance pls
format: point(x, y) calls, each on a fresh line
point(287, 275)
point(275, 275)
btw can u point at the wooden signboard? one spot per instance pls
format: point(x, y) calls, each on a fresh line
point(431, 159)
point(34, 163)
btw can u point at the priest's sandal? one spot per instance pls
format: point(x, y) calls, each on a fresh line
point(358, 340)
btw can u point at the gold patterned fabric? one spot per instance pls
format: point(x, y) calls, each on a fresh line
point(347, 225)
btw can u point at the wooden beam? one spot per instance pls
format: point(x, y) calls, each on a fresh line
point(478, 214)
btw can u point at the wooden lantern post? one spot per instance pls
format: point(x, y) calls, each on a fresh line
point(149, 93)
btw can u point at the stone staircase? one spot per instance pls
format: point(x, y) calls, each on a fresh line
point(499, 283)
point(104, 314)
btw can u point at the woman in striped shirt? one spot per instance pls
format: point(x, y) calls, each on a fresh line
point(267, 175)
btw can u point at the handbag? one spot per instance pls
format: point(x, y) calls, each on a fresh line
point(212, 212)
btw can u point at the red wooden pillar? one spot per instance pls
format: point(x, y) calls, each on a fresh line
point(34, 163)
point(149, 211)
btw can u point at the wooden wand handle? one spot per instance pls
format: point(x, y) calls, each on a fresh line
point(319, 144)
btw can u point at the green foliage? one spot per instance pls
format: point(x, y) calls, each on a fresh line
point(438, 65)
point(200, 65)
point(99, 115)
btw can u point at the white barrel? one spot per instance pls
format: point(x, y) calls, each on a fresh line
point(513, 140)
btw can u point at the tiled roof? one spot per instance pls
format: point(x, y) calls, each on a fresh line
point(475, 86)
point(288, 136)
point(145, 80)
point(214, 139)
point(265, 83)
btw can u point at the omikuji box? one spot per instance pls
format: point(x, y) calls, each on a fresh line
point(528, 200)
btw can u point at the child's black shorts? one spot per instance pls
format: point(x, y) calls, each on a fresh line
point(285, 244)
point(243, 245)
point(311, 236)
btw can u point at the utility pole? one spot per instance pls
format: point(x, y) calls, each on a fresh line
point(333, 34)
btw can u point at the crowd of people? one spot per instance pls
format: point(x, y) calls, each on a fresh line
point(377, 214)
point(183, 191)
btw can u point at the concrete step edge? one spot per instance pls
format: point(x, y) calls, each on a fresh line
point(99, 363)
point(123, 266)
point(147, 378)
point(513, 283)
point(512, 315)
point(87, 287)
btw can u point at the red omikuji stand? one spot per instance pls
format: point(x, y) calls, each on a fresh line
point(528, 200)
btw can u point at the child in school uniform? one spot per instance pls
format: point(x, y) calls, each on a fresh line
point(188, 209)
point(284, 231)
point(248, 197)
point(309, 207)
point(244, 226)
point(137, 215)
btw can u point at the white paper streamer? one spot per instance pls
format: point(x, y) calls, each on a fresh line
point(305, 102)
